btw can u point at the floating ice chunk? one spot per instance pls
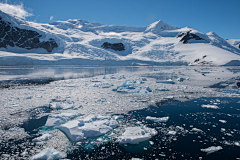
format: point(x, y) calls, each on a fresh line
point(171, 133)
point(155, 119)
point(62, 105)
point(88, 127)
point(210, 106)
point(169, 81)
point(162, 89)
point(101, 85)
point(222, 121)
point(196, 130)
point(182, 79)
point(132, 88)
point(44, 137)
point(181, 128)
point(49, 153)
point(134, 135)
point(211, 149)
point(17, 129)
point(237, 144)
point(116, 117)
point(56, 119)
point(223, 129)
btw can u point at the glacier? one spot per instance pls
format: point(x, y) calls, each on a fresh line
point(79, 42)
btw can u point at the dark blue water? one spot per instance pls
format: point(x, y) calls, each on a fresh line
point(185, 144)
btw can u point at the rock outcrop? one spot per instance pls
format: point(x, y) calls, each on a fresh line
point(23, 38)
point(185, 37)
point(114, 46)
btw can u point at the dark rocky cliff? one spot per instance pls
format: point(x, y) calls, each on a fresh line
point(114, 46)
point(23, 38)
point(185, 37)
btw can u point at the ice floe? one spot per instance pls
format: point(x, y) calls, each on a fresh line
point(196, 130)
point(169, 81)
point(17, 129)
point(172, 133)
point(56, 119)
point(135, 135)
point(156, 119)
point(132, 88)
point(90, 126)
point(44, 137)
point(62, 105)
point(210, 106)
point(211, 149)
point(49, 153)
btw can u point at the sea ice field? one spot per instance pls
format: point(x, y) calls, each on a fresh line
point(104, 112)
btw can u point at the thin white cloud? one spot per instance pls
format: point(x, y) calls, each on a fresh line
point(17, 10)
point(51, 18)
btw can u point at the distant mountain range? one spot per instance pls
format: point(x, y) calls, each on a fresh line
point(78, 42)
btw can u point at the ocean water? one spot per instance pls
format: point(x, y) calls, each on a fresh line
point(191, 126)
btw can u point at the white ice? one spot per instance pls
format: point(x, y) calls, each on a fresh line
point(90, 126)
point(101, 85)
point(163, 88)
point(44, 137)
point(210, 106)
point(49, 154)
point(132, 88)
point(62, 105)
point(156, 119)
point(222, 121)
point(56, 119)
point(169, 81)
point(211, 149)
point(135, 135)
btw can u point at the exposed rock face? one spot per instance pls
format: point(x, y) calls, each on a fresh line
point(23, 38)
point(187, 36)
point(114, 46)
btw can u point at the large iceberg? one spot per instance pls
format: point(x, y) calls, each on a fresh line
point(90, 126)
point(56, 119)
point(134, 135)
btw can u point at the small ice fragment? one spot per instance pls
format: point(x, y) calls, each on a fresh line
point(169, 81)
point(171, 133)
point(90, 126)
point(56, 119)
point(155, 119)
point(178, 127)
point(49, 153)
point(237, 144)
point(102, 100)
point(196, 130)
point(210, 106)
point(223, 129)
point(151, 142)
point(62, 105)
point(223, 121)
point(121, 77)
point(211, 149)
point(44, 137)
point(134, 135)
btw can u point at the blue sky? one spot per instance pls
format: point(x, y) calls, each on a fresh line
point(219, 16)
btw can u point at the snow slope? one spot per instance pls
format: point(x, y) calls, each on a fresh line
point(81, 43)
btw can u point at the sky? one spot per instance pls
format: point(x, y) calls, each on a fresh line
point(219, 16)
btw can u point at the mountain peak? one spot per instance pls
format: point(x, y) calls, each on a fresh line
point(158, 26)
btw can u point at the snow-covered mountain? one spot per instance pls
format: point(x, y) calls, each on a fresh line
point(78, 42)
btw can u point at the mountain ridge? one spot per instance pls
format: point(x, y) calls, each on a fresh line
point(80, 41)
